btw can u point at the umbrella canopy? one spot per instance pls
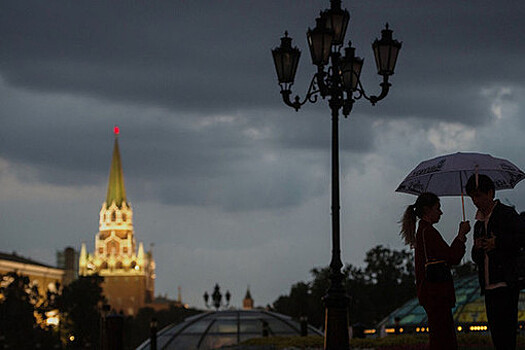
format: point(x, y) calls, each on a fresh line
point(447, 175)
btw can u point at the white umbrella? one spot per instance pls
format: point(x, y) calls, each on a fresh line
point(447, 175)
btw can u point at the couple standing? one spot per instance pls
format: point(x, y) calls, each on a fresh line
point(495, 243)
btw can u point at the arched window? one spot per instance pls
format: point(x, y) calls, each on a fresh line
point(113, 248)
point(124, 217)
point(113, 216)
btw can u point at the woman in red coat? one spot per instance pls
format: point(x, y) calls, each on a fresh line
point(437, 298)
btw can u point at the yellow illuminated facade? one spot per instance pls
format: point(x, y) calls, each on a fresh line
point(40, 275)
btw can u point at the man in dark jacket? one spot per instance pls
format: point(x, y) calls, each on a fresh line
point(494, 252)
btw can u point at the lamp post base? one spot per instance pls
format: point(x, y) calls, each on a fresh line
point(336, 316)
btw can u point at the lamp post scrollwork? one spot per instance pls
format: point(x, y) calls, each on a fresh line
point(338, 79)
point(216, 298)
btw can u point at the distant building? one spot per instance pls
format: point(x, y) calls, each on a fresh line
point(162, 302)
point(247, 303)
point(43, 276)
point(129, 273)
point(67, 260)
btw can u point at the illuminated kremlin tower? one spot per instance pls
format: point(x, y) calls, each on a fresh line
point(128, 274)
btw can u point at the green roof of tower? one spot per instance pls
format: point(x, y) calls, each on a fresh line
point(116, 189)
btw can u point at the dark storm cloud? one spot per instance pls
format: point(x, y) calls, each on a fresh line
point(182, 160)
point(211, 54)
point(179, 54)
point(193, 61)
point(68, 142)
point(228, 181)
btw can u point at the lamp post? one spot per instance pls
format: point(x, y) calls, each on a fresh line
point(217, 298)
point(153, 334)
point(338, 78)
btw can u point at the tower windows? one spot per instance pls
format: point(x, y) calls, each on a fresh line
point(113, 247)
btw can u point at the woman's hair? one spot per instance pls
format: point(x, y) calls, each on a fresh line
point(414, 211)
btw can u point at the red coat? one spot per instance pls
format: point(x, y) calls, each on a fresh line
point(435, 293)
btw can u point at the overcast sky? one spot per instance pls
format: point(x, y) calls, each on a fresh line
point(228, 183)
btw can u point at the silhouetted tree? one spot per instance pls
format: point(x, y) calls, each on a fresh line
point(20, 301)
point(385, 283)
point(17, 320)
point(301, 302)
point(390, 280)
point(80, 305)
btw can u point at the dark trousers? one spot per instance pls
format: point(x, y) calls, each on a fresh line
point(502, 314)
point(441, 328)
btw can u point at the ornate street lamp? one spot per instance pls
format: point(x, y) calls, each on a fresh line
point(217, 298)
point(342, 84)
point(286, 59)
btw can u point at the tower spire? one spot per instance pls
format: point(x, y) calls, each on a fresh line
point(116, 189)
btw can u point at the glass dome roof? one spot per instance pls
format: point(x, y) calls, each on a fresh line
point(212, 330)
point(469, 309)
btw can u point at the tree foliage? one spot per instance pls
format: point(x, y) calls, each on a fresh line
point(23, 314)
point(80, 305)
point(390, 280)
point(383, 284)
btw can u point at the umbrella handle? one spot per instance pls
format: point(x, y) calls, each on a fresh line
point(463, 205)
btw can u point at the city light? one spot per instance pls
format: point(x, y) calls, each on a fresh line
point(52, 321)
point(52, 318)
